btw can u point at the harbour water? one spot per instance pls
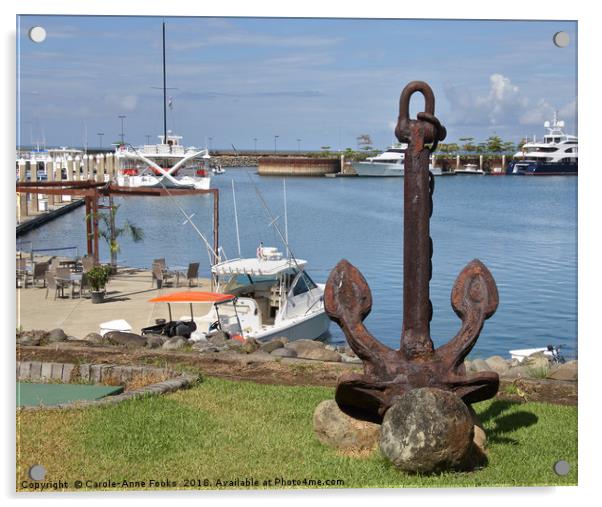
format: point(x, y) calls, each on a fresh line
point(524, 229)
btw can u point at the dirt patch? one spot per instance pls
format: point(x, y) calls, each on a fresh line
point(287, 371)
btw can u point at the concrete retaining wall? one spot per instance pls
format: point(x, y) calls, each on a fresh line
point(298, 166)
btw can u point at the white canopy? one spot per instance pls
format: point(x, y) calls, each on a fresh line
point(256, 267)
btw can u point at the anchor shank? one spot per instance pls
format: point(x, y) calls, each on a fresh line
point(415, 339)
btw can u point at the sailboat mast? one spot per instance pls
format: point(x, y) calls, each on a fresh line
point(164, 92)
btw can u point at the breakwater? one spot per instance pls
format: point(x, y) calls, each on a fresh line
point(298, 166)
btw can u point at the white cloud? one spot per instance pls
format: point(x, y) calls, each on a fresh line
point(504, 104)
point(125, 103)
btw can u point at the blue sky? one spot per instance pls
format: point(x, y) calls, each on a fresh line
point(324, 81)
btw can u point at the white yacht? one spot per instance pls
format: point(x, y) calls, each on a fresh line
point(166, 164)
point(470, 169)
point(388, 163)
point(556, 155)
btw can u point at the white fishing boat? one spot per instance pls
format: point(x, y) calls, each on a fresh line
point(390, 163)
point(260, 298)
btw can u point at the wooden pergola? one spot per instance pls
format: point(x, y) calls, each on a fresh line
point(92, 191)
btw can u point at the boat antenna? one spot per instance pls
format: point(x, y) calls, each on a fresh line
point(288, 252)
point(236, 220)
point(273, 222)
point(164, 92)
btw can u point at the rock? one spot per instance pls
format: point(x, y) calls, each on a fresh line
point(335, 428)
point(218, 338)
point(73, 339)
point(537, 362)
point(56, 335)
point(283, 352)
point(350, 359)
point(427, 430)
point(517, 372)
point(349, 351)
point(175, 343)
point(94, 338)
point(272, 345)
point(468, 366)
point(259, 356)
point(250, 345)
point(480, 365)
point(497, 364)
point(155, 341)
point(480, 437)
point(234, 345)
point(33, 338)
point(125, 339)
point(319, 354)
point(301, 346)
point(566, 371)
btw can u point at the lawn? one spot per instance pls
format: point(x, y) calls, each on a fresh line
point(220, 433)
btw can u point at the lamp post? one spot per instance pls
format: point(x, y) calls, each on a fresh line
point(210, 139)
point(122, 117)
point(100, 134)
point(148, 136)
point(299, 145)
point(255, 143)
point(276, 143)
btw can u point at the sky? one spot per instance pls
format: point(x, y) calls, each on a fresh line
point(312, 82)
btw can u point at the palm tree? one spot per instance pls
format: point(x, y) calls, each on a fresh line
point(110, 232)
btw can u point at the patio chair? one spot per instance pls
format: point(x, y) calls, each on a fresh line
point(191, 274)
point(54, 264)
point(80, 286)
point(22, 274)
point(87, 263)
point(160, 272)
point(62, 277)
point(51, 284)
point(39, 273)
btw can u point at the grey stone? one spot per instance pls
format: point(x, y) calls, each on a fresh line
point(175, 343)
point(272, 345)
point(259, 356)
point(125, 339)
point(480, 365)
point(334, 428)
point(95, 373)
point(84, 372)
point(33, 338)
point(35, 370)
point(67, 370)
point(319, 354)
point(155, 341)
point(517, 372)
point(57, 371)
point(250, 345)
point(427, 430)
point(537, 361)
point(46, 372)
point(468, 365)
point(24, 370)
point(94, 338)
point(350, 359)
point(302, 346)
point(283, 352)
point(497, 364)
point(57, 335)
point(218, 338)
point(566, 371)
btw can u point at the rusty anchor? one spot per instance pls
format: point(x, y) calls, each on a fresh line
point(389, 373)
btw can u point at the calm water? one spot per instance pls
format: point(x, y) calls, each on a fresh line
point(524, 230)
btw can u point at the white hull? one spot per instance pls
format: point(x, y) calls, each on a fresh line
point(310, 327)
point(385, 170)
point(199, 183)
point(462, 172)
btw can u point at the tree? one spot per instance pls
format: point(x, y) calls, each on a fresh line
point(468, 146)
point(494, 144)
point(110, 232)
point(364, 140)
point(508, 147)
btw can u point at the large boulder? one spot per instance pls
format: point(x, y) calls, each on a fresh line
point(155, 341)
point(566, 371)
point(311, 349)
point(335, 428)
point(94, 338)
point(427, 430)
point(250, 345)
point(283, 352)
point(34, 337)
point(302, 346)
point(272, 345)
point(537, 362)
point(498, 364)
point(125, 339)
point(175, 343)
point(57, 335)
point(479, 365)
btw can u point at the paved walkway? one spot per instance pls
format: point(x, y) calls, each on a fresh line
point(127, 298)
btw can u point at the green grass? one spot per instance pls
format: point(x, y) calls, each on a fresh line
point(234, 430)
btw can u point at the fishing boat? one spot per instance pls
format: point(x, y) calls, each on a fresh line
point(260, 298)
